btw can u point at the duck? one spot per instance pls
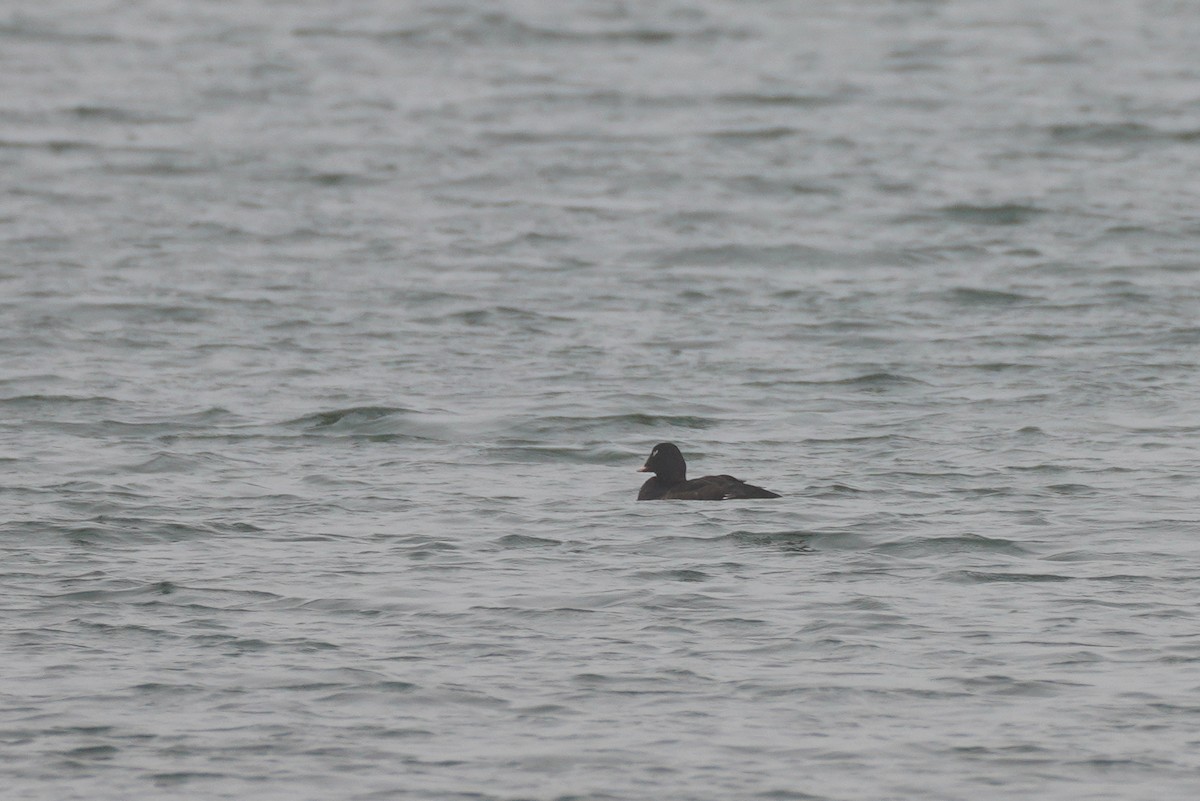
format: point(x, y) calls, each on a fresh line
point(670, 481)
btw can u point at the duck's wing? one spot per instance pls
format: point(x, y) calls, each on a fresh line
point(736, 488)
point(709, 488)
point(716, 488)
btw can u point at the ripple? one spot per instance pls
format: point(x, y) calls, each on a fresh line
point(985, 297)
point(785, 541)
point(966, 543)
point(526, 541)
point(563, 424)
point(1118, 133)
point(999, 214)
point(987, 577)
point(375, 422)
point(673, 575)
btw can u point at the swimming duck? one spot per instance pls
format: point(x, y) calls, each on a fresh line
point(670, 481)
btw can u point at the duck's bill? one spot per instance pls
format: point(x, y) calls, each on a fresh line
point(643, 469)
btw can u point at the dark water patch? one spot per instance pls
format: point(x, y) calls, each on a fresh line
point(527, 541)
point(434, 550)
point(167, 463)
point(226, 232)
point(53, 145)
point(536, 137)
point(115, 530)
point(1183, 336)
point(336, 179)
point(972, 296)
point(88, 731)
point(786, 541)
point(518, 33)
point(565, 424)
point(673, 575)
point(180, 778)
point(1007, 685)
point(768, 133)
point(866, 604)
point(985, 577)
point(836, 490)
point(495, 28)
point(599, 98)
point(760, 255)
point(526, 451)
point(125, 116)
point(940, 475)
point(366, 421)
point(134, 312)
point(335, 606)
point(43, 403)
point(1025, 753)
point(963, 543)
point(1071, 489)
point(856, 440)
point(167, 592)
point(785, 99)
point(680, 345)
point(159, 165)
point(691, 220)
point(982, 492)
point(368, 694)
point(999, 214)
point(28, 29)
point(877, 381)
point(1133, 428)
point(563, 614)
point(1118, 133)
point(1077, 658)
point(110, 530)
point(929, 254)
point(997, 367)
point(92, 752)
point(868, 382)
point(1040, 468)
point(1073, 556)
point(788, 795)
point(1119, 766)
point(690, 601)
point(759, 185)
point(233, 645)
point(525, 320)
point(417, 297)
point(161, 688)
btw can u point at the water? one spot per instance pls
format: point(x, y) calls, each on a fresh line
point(332, 338)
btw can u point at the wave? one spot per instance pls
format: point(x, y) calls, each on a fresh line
point(1118, 133)
point(495, 28)
point(373, 421)
point(998, 214)
point(985, 297)
point(962, 543)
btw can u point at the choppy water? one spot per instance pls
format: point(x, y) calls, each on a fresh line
point(333, 335)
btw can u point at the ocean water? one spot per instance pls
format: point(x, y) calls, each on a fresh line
point(333, 335)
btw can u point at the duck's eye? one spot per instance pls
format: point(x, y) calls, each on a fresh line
point(654, 453)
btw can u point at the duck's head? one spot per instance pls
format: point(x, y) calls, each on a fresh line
point(666, 461)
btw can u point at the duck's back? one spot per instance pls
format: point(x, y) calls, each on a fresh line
point(711, 488)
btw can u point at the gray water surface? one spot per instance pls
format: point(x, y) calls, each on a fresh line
point(333, 334)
